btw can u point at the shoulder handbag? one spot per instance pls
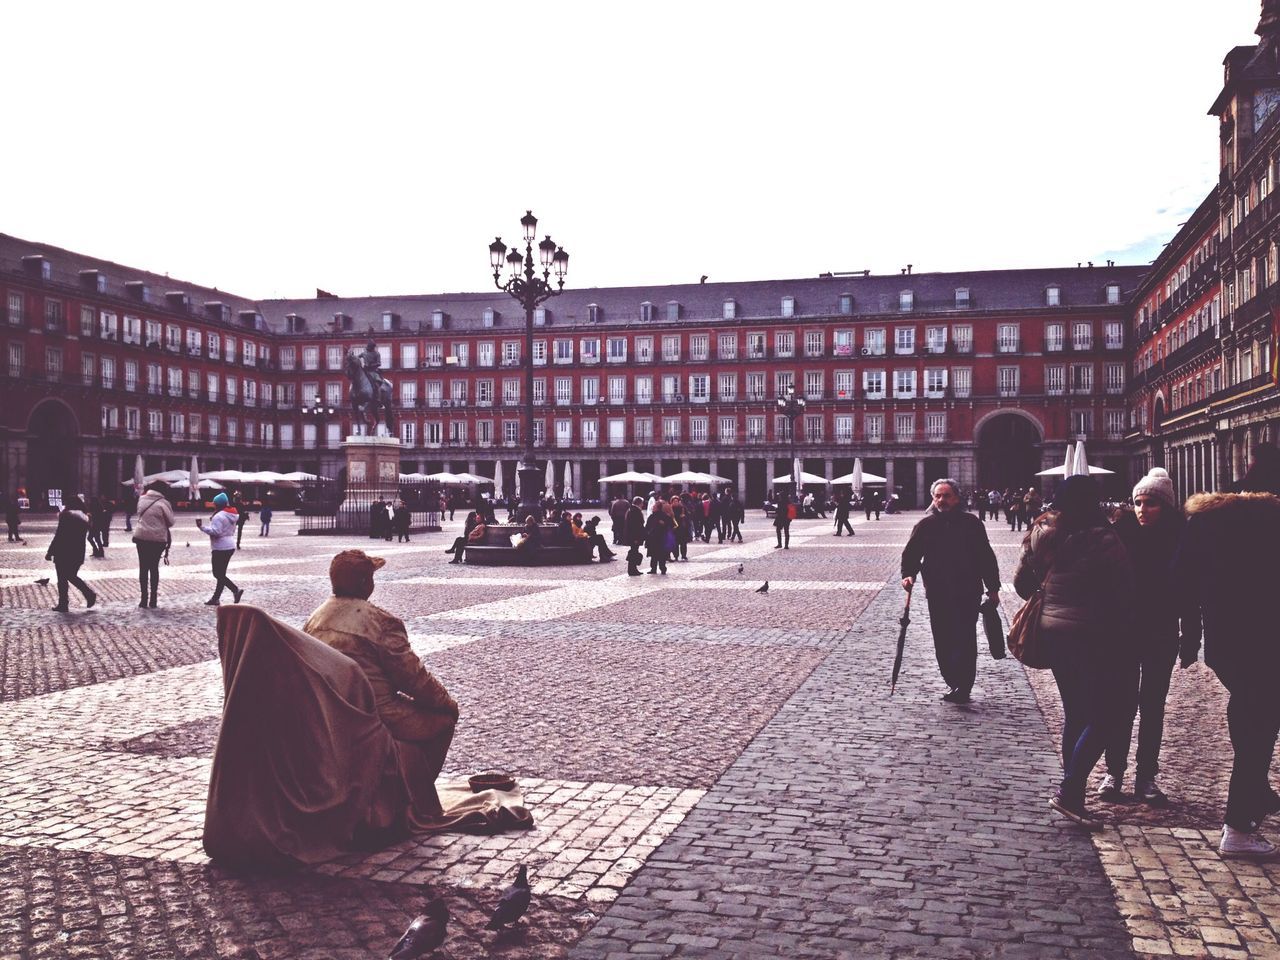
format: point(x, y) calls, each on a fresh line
point(1026, 641)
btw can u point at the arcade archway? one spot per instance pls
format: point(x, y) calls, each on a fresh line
point(1008, 452)
point(53, 448)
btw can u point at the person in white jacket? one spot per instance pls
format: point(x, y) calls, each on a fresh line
point(151, 537)
point(222, 540)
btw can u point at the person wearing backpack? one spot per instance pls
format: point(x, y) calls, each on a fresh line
point(150, 538)
point(1085, 623)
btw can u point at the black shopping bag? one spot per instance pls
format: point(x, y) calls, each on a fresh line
point(993, 627)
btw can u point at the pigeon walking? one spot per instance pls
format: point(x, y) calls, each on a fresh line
point(42, 582)
point(425, 934)
point(763, 588)
point(513, 903)
point(739, 568)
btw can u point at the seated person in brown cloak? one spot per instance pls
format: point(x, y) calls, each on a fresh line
point(413, 704)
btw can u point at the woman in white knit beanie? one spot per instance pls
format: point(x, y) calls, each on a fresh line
point(1150, 536)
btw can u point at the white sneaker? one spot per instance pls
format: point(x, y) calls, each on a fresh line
point(1109, 788)
point(1239, 845)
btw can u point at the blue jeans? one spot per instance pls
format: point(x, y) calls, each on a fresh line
point(1093, 705)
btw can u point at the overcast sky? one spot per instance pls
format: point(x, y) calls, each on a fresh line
point(270, 148)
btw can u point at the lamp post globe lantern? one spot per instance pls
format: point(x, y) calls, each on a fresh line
point(792, 407)
point(529, 289)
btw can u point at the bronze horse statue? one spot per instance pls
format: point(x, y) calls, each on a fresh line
point(370, 393)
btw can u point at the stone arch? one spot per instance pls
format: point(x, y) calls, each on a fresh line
point(1007, 443)
point(53, 449)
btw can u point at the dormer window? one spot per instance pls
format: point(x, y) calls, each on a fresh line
point(1113, 293)
point(673, 311)
point(593, 313)
point(36, 265)
point(390, 321)
point(486, 319)
point(846, 303)
point(1053, 296)
point(788, 306)
point(906, 300)
point(646, 312)
point(540, 316)
point(962, 298)
point(437, 319)
point(730, 310)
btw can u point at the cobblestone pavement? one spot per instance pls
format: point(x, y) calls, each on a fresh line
point(715, 773)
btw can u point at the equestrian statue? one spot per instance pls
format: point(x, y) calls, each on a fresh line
point(370, 392)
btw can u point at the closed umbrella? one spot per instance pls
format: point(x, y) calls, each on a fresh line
point(1081, 466)
point(858, 478)
point(551, 477)
point(1069, 464)
point(138, 482)
point(193, 478)
point(499, 482)
point(797, 472)
point(568, 480)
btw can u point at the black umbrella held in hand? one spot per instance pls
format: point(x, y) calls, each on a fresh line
point(993, 627)
point(905, 620)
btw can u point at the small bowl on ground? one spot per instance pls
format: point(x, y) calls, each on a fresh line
point(491, 781)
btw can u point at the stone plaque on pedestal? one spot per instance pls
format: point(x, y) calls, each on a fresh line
point(373, 473)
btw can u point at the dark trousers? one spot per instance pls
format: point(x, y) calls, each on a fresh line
point(722, 527)
point(597, 543)
point(149, 554)
point(459, 548)
point(13, 530)
point(220, 560)
point(1253, 720)
point(869, 512)
point(69, 574)
point(265, 531)
point(1093, 705)
point(657, 561)
point(1147, 680)
point(784, 534)
point(239, 534)
point(732, 531)
point(95, 541)
point(843, 524)
point(955, 639)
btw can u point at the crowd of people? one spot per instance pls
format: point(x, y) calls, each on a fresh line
point(1124, 597)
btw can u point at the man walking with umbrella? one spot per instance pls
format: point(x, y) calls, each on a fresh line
point(950, 548)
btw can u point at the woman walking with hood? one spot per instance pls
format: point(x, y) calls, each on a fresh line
point(151, 537)
point(1079, 561)
point(222, 541)
point(1150, 535)
point(67, 553)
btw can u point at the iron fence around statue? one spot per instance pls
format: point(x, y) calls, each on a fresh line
point(329, 506)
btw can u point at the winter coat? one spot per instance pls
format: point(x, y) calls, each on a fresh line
point(951, 549)
point(1088, 590)
point(684, 531)
point(1228, 564)
point(155, 517)
point(655, 534)
point(221, 530)
point(67, 548)
point(1158, 609)
point(782, 514)
point(634, 526)
point(402, 519)
point(403, 689)
point(266, 514)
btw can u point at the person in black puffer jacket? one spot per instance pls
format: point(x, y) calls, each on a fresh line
point(1229, 564)
point(1161, 617)
point(67, 553)
point(1086, 623)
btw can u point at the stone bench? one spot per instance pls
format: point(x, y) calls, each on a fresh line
point(496, 549)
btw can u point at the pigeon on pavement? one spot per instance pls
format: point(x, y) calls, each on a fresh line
point(513, 903)
point(764, 588)
point(739, 568)
point(425, 934)
point(42, 582)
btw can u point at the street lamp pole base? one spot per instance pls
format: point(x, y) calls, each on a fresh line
point(531, 476)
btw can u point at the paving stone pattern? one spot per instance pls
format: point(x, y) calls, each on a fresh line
point(714, 772)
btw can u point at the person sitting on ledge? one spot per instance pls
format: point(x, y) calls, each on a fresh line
point(411, 703)
point(531, 538)
point(589, 532)
point(460, 543)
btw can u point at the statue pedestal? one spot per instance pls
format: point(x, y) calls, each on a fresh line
point(373, 473)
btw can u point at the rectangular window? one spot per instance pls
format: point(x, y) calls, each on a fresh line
point(564, 351)
point(935, 382)
point(1082, 422)
point(485, 354)
point(844, 428)
point(671, 430)
point(288, 356)
point(700, 388)
point(846, 303)
point(935, 427)
point(781, 428)
point(842, 345)
point(16, 359)
point(408, 393)
point(1113, 335)
point(904, 384)
point(755, 346)
point(86, 321)
point(784, 382)
point(131, 375)
point(539, 392)
point(962, 337)
point(539, 353)
point(906, 300)
point(1115, 378)
point(15, 309)
point(873, 427)
point(904, 340)
point(510, 353)
point(755, 429)
point(53, 316)
point(699, 346)
point(590, 389)
point(755, 386)
point(1055, 378)
point(1082, 336)
point(698, 429)
point(1007, 338)
point(1082, 378)
point(728, 430)
point(784, 343)
point(671, 348)
point(408, 356)
point(935, 339)
point(788, 306)
point(873, 384)
point(844, 384)
point(813, 345)
point(564, 391)
point(1113, 293)
point(310, 355)
point(728, 387)
point(730, 310)
point(108, 373)
point(1054, 337)
point(813, 384)
point(248, 353)
point(510, 433)
point(643, 428)
point(727, 346)
point(617, 389)
point(644, 349)
point(333, 357)
point(1115, 424)
point(644, 389)
point(873, 342)
point(1007, 381)
point(108, 327)
point(617, 347)
point(904, 427)
point(510, 392)
point(1052, 297)
point(589, 350)
point(670, 388)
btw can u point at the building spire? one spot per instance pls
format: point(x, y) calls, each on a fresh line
point(1269, 24)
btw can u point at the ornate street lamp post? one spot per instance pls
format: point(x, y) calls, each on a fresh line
point(792, 407)
point(319, 413)
point(528, 289)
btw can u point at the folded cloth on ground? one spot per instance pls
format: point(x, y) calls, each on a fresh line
point(489, 811)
